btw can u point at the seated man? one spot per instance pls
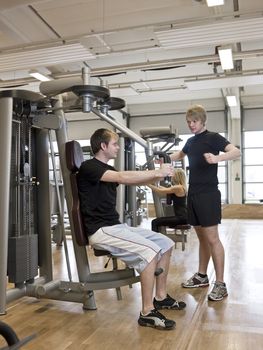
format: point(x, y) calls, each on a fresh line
point(142, 249)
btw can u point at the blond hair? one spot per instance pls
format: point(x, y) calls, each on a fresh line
point(197, 112)
point(179, 178)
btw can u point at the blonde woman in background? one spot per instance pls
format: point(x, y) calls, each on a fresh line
point(178, 195)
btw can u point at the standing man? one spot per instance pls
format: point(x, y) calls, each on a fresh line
point(204, 198)
point(142, 249)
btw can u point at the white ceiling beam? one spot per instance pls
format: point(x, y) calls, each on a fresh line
point(224, 32)
point(224, 82)
point(44, 57)
point(7, 4)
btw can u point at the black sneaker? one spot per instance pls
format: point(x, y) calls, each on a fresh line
point(156, 320)
point(169, 303)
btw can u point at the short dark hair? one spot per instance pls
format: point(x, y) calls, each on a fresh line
point(101, 136)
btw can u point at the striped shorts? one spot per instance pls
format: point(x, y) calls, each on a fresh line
point(136, 246)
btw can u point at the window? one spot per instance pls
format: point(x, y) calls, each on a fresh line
point(253, 166)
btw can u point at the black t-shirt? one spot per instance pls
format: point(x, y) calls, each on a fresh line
point(203, 176)
point(97, 198)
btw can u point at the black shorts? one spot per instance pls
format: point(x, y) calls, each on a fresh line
point(204, 209)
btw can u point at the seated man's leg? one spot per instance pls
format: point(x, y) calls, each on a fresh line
point(163, 300)
point(161, 281)
point(142, 254)
point(147, 286)
point(150, 316)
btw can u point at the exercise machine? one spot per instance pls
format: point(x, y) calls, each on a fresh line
point(26, 121)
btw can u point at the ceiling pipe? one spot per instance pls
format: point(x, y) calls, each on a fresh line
point(145, 65)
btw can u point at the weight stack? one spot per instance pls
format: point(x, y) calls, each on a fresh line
point(22, 258)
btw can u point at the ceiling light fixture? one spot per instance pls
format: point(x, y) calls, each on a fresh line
point(226, 57)
point(39, 76)
point(211, 3)
point(231, 101)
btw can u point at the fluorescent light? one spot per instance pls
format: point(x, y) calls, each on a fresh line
point(211, 3)
point(226, 58)
point(231, 101)
point(39, 76)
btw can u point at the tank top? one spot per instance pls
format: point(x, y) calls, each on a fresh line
point(179, 205)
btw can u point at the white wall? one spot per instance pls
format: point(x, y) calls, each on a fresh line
point(216, 122)
point(252, 119)
point(82, 125)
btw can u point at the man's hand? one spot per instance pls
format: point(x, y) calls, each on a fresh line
point(211, 158)
point(167, 169)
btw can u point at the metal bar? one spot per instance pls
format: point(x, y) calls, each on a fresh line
point(15, 293)
point(43, 206)
point(119, 164)
point(6, 108)
point(18, 199)
point(80, 252)
point(120, 127)
point(60, 214)
point(132, 189)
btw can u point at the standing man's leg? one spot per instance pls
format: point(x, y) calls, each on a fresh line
point(200, 278)
point(204, 250)
point(211, 235)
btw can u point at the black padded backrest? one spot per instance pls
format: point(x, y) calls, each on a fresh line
point(74, 158)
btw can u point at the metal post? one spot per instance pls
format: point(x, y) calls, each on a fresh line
point(80, 252)
point(132, 189)
point(119, 164)
point(60, 209)
point(6, 108)
point(43, 204)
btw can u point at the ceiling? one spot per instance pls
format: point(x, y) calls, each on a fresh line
point(157, 55)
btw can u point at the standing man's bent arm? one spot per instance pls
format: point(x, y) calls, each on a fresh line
point(231, 152)
point(177, 155)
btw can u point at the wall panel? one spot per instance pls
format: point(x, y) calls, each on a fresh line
point(216, 122)
point(253, 119)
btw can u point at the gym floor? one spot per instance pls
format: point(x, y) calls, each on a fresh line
point(235, 323)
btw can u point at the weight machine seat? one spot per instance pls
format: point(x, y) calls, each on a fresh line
point(180, 237)
point(184, 227)
point(74, 158)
